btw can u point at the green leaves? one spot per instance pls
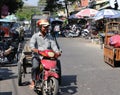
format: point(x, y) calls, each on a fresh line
point(26, 12)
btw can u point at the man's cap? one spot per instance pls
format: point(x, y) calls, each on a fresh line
point(43, 22)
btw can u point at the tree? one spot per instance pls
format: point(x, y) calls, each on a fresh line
point(26, 12)
point(13, 5)
point(53, 5)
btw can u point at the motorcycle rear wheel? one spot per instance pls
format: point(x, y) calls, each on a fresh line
point(52, 87)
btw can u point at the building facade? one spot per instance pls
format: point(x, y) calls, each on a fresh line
point(84, 3)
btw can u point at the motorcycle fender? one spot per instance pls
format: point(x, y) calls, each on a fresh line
point(50, 74)
point(48, 64)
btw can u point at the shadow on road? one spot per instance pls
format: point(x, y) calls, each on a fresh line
point(5, 93)
point(5, 74)
point(69, 85)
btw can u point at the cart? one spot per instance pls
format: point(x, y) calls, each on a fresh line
point(25, 57)
point(7, 40)
point(111, 53)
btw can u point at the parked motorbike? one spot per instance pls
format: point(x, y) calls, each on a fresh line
point(85, 33)
point(48, 76)
point(72, 31)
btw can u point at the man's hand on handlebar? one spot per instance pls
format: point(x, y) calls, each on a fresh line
point(57, 54)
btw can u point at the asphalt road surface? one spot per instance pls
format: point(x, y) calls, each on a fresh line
point(83, 72)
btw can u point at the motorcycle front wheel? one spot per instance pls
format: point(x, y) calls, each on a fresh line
point(52, 87)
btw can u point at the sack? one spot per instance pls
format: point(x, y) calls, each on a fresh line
point(115, 41)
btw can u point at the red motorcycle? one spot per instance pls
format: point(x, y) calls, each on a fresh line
point(48, 76)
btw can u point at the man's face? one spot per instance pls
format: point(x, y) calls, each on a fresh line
point(44, 29)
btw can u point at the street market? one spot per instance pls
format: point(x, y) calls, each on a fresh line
point(64, 47)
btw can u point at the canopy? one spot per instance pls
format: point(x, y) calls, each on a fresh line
point(56, 21)
point(9, 18)
point(5, 20)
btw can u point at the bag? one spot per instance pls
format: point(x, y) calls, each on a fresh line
point(115, 41)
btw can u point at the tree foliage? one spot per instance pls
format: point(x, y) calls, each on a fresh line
point(26, 12)
point(16, 6)
point(13, 5)
point(52, 5)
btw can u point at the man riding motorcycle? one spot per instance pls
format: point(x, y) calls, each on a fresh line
point(41, 40)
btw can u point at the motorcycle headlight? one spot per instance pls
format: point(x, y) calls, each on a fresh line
point(51, 54)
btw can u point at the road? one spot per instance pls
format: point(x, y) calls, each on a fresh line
point(83, 72)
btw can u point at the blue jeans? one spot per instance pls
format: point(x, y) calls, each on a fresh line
point(35, 67)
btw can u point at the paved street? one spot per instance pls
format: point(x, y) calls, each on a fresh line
point(83, 72)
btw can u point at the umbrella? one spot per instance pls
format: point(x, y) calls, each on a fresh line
point(116, 16)
point(105, 13)
point(88, 12)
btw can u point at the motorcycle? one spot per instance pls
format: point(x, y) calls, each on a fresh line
point(72, 31)
point(85, 33)
point(48, 76)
